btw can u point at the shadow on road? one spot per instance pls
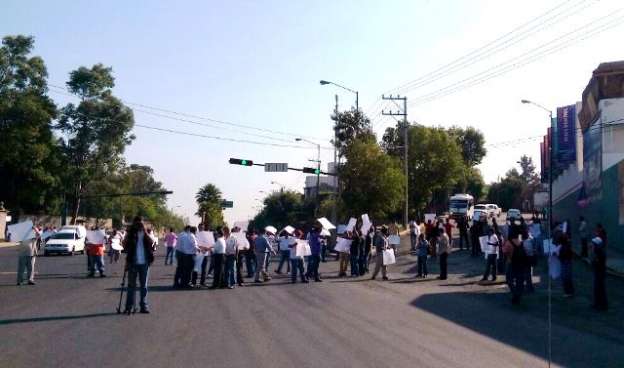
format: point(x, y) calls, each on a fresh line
point(53, 318)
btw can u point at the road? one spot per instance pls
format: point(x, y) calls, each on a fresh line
point(67, 320)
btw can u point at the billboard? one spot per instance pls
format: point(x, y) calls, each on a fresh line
point(566, 136)
point(592, 163)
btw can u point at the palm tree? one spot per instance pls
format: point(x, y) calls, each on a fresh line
point(208, 200)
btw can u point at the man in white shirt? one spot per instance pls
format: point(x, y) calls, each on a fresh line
point(491, 254)
point(27, 250)
point(218, 256)
point(231, 251)
point(414, 234)
point(186, 248)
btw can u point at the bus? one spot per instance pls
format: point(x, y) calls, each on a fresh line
point(461, 205)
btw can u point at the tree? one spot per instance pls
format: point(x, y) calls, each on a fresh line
point(29, 153)
point(471, 143)
point(98, 130)
point(350, 125)
point(506, 193)
point(372, 180)
point(208, 200)
point(283, 208)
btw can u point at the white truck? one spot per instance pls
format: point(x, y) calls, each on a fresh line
point(461, 205)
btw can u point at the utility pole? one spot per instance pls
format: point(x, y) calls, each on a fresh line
point(337, 188)
point(405, 147)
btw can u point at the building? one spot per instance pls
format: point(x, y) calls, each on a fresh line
point(327, 183)
point(590, 180)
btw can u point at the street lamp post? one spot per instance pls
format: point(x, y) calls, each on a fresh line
point(357, 94)
point(318, 170)
point(550, 217)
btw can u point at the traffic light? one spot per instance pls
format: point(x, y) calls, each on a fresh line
point(239, 161)
point(311, 170)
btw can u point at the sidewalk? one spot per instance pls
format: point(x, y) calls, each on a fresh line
point(4, 244)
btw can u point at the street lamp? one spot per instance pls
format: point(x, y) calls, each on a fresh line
point(357, 94)
point(550, 215)
point(318, 167)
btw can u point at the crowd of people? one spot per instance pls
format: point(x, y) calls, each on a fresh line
point(511, 249)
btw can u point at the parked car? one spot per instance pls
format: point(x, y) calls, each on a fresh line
point(494, 210)
point(513, 214)
point(480, 215)
point(66, 241)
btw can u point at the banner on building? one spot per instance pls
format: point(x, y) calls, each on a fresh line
point(566, 136)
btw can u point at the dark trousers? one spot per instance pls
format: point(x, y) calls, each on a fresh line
point(463, 237)
point(323, 251)
point(142, 273)
point(250, 262)
point(218, 270)
point(363, 263)
point(566, 277)
point(239, 266)
point(297, 265)
point(490, 267)
point(600, 288)
point(443, 264)
point(354, 265)
point(284, 258)
point(187, 263)
point(516, 284)
point(475, 248)
point(413, 241)
point(422, 266)
point(314, 267)
point(169, 255)
point(202, 279)
point(179, 272)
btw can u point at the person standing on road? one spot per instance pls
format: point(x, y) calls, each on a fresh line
point(285, 240)
point(96, 253)
point(170, 242)
point(250, 255)
point(314, 239)
point(263, 251)
point(448, 228)
point(218, 254)
point(231, 249)
point(514, 250)
point(115, 239)
point(444, 248)
point(422, 250)
point(462, 225)
point(583, 232)
point(414, 233)
point(599, 267)
point(491, 254)
point(26, 255)
point(566, 256)
point(530, 249)
point(380, 242)
point(186, 248)
point(296, 261)
point(354, 253)
point(343, 257)
point(139, 247)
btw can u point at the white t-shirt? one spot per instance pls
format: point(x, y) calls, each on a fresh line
point(219, 247)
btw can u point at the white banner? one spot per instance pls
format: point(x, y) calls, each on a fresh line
point(289, 229)
point(430, 216)
point(343, 245)
point(485, 247)
point(351, 224)
point(243, 243)
point(205, 239)
point(388, 257)
point(394, 240)
point(302, 249)
point(96, 236)
point(326, 224)
point(21, 231)
point(366, 224)
point(116, 244)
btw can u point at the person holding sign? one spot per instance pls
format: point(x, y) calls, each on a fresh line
point(95, 251)
point(27, 250)
point(380, 242)
point(114, 244)
point(297, 252)
point(285, 241)
point(491, 252)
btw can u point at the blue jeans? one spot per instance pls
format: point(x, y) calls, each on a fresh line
point(314, 266)
point(96, 262)
point(297, 264)
point(142, 271)
point(284, 256)
point(169, 255)
point(230, 270)
point(354, 265)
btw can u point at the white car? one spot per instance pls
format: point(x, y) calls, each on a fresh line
point(481, 208)
point(494, 210)
point(480, 215)
point(66, 241)
point(513, 214)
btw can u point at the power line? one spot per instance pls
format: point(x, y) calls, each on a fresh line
point(528, 58)
point(222, 122)
point(494, 46)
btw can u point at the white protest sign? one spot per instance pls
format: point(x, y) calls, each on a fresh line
point(366, 224)
point(388, 257)
point(205, 239)
point(116, 244)
point(343, 245)
point(289, 229)
point(242, 241)
point(394, 240)
point(21, 231)
point(325, 232)
point(351, 224)
point(485, 247)
point(270, 229)
point(325, 223)
point(430, 216)
point(302, 249)
point(96, 236)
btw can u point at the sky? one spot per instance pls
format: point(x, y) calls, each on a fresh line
point(258, 64)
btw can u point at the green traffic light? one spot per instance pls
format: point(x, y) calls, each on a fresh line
point(317, 171)
point(244, 162)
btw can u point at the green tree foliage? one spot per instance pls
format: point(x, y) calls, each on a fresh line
point(284, 208)
point(98, 129)
point(350, 125)
point(208, 200)
point(29, 157)
point(507, 192)
point(471, 143)
point(372, 181)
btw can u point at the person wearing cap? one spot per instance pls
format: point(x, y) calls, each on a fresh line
point(380, 242)
point(263, 251)
point(599, 266)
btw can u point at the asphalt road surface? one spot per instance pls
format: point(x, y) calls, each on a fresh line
point(67, 320)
